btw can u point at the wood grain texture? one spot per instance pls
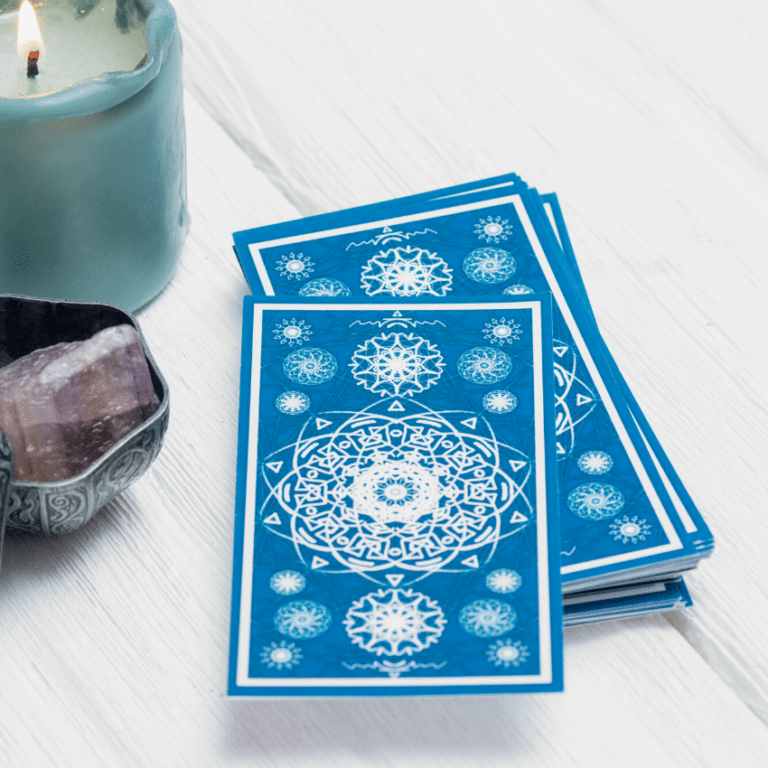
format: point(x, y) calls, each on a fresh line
point(649, 121)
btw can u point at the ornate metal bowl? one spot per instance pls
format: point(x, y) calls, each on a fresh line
point(61, 507)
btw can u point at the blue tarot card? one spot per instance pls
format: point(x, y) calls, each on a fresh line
point(617, 519)
point(397, 517)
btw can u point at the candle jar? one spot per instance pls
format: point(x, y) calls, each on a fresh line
point(93, 202)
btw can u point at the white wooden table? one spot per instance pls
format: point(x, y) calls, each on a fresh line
point(649, 120)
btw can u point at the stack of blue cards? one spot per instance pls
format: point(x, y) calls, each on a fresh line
point(436, 445)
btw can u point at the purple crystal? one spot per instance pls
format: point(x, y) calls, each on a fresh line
point(64, 406)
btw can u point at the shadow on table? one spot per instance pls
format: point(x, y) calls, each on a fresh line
point(475, 725)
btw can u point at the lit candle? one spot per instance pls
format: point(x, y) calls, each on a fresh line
point(92, 166)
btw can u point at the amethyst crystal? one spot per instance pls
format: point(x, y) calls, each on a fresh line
point(64, 406)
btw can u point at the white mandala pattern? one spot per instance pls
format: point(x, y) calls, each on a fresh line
point(295, 266)
point(287, 582)
point(574, 400)
point(487, 618)
point(506, 653)
point(489, 265)
point(325, 286)
point(499, 401)
point(493, 230)
point(517, 290)
point(397, 486)
point(503, 581)
point(595, 501)
point(629, 529)
point(302, 619)
point(501, 332)
point(484, 365)
point(292, 403)
point(282, 655)
point(595, 462)
point(394, 622)
point(292, 332)
point(397, 364)
point(310, 366)
point(406, 272)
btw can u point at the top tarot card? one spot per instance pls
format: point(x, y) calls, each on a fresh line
point(393, 529)
point(617, 520)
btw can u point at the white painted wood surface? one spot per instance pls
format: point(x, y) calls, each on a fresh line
point(649, 121)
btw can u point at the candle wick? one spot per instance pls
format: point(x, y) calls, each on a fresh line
point(32, 70)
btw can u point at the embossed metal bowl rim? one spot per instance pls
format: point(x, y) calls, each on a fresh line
point(77, 480)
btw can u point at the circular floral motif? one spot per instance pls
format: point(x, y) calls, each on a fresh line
point(485, 365)
point(287, 582)
point(595, 501)
point(487, 618)
point(489, 265)
point(292, 403)
point(517, 290)
point(506, 653)
point(282, 655)
point(302, 619)
point(501, 331)
point(499, 401)
point(325, 286)
point(310, 366)
point(504, 581)
point(295, 266)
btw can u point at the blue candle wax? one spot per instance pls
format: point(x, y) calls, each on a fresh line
point(93, 202)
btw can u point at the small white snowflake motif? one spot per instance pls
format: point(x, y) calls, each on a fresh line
point(295, 266)
point(302, 619)
point(487, 618)
point(503, 581)
point(499, 401)
point(282, 655)
point(505, 653)
point(517, 289)
point(394, 622)
point(501, 332)
point(629, 529)
point(292, 403)
point(595, 462)
point(292, 332)
point(287, 582)
point(493, 230)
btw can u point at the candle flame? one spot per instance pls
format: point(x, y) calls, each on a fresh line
point(29, 38)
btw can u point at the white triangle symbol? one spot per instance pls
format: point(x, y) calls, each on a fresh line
point(517, 517)
point(318, 562)
point(516, 465)
point(275, 465)
point(273, 519)
point(471, 423)
point(581, 399)
point(471, 562)
point(322, 423)
point(560, 351)
point(560, 448)
point(386, 229)
point(397, 313)
point(394, 578)
point(396, 406)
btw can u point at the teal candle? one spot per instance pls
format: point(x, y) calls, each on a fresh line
point(93, 201)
